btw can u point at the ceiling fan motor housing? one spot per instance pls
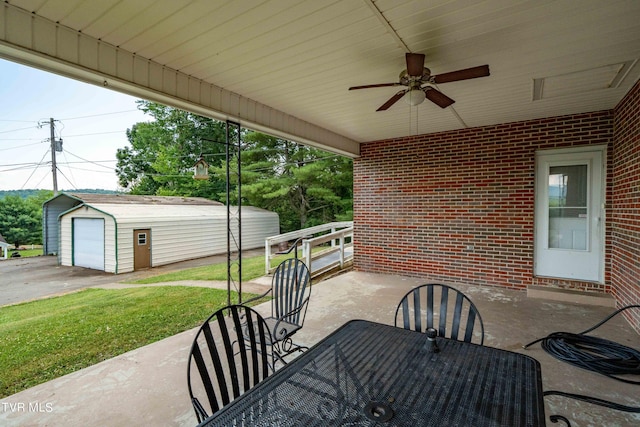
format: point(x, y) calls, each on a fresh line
point(418, 80)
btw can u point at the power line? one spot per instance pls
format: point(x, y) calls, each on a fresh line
point(101, 114)
point(16, 130)
point(69, 181)
point(22, 146)
point(96, 133)
point(64, 153)
point(89, 161)
point(65, 163)
point(56, 145)
point(39, 182)
point(25, 166)
point(91, 170)
point(97, 162)
point(71, 118)
point(18, 164)
point(38, 123)
point(34, 170)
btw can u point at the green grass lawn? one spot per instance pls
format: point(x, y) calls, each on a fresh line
point(45, 339)
point(251, 268)
point(27, 252)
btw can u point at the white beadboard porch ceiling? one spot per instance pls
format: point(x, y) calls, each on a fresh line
point(284, 66)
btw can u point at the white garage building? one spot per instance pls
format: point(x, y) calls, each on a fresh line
point(122, 233)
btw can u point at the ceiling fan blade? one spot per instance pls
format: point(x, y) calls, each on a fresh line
point(377, 85)
point(395, 98)
point(415, 64)
point(438, 98)
point(467, 73)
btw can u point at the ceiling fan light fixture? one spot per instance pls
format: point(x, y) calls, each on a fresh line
point(415, 97)
point(418, 80)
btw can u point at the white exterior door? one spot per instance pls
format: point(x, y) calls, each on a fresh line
point(88, 243)
point(569, 232)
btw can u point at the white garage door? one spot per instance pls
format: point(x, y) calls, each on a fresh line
point(88, 243)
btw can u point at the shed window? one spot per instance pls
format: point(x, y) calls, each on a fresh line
point(142, 239)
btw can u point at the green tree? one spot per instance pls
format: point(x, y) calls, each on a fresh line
point(306, 186)
point(21, 220)
point(38, 198)
point(162, 153)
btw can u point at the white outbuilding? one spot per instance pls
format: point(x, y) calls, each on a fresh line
point(4, 248)
point(123, 233)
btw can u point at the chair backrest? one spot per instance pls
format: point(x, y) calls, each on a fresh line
point(443, 308)
point(291, 288)
point(230, 354)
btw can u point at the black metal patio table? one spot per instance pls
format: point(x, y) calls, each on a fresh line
point(367, 374)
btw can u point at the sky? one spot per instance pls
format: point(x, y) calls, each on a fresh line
point(91, 121)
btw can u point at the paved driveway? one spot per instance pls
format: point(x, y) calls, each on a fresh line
point(25, 279)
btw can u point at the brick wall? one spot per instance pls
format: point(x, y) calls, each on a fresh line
point(458, 207)
point(625, 205)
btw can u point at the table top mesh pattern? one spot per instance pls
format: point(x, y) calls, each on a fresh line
point(366, 372)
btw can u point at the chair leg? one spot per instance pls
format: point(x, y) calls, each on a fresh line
point(285, 348)
point(201, 414)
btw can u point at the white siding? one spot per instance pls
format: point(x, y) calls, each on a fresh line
point(257, 225)
point(178, 233)
point(194, 239)
point(66, 245)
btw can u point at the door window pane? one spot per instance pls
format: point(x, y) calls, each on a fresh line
point(142, 239)
point(568, 207)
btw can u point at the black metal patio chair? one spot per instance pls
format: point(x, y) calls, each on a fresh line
point(443, 308)
point(290, 291)
point(231, 353)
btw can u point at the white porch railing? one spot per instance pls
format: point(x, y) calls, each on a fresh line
point(339, 236)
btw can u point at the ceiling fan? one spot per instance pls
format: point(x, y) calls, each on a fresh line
point(418, 80)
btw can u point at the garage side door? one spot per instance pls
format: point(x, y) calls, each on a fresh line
point(88, 243)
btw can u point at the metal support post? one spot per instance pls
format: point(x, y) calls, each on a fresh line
point(234, 221)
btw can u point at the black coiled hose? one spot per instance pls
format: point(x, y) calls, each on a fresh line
point(594, 354)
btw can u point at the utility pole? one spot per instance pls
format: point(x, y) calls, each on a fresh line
point(54, 168)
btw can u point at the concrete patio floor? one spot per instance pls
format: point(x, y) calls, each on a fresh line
point(147, 386)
